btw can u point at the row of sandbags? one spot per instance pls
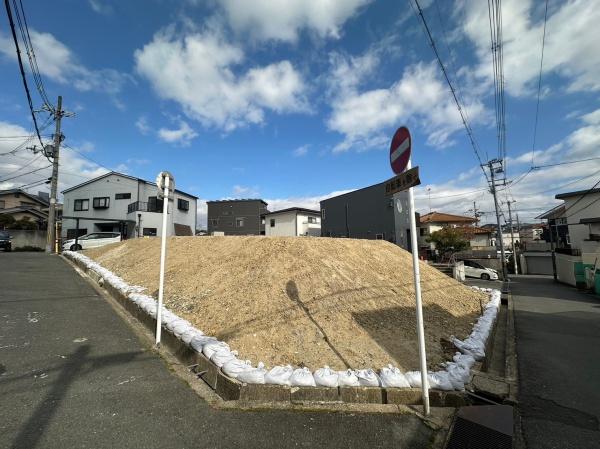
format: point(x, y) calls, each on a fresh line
point(454, 375)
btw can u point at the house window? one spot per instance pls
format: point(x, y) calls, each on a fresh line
point(422, 231)
point(154, 204)
point(312, 219)
point(272, 221)
point(149, 232)
point(214, 222)
point(2, 204)
point(122, 196)
point(183, 204)
point(378, 236)
point(322, 214)
point(80, 205)
point(239, 222)
point(101, 202)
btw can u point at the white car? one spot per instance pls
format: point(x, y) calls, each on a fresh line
point(93, 240)
point(476, 270)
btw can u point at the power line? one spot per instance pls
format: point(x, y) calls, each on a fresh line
point(26, 38)
point(22, 70)
point(87, 157)
point(27, 173)
point(458, 105)
point(537, 106)
point(580, 198)
point(568, 162)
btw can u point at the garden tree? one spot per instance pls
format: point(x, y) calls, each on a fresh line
point(449, 240)
point(6, 221)
point(9, 222)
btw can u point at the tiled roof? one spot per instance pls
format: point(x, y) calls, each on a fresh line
point(440, 217)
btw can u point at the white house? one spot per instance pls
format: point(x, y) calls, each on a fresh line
point(293, 222)
point(116, 202)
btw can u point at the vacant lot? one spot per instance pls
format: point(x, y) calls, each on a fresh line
point(303, 301)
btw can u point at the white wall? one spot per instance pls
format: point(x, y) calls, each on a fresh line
point(306, 228)
point(588, 207)
point(285, 224)
point(105, 187)
point(109, 186)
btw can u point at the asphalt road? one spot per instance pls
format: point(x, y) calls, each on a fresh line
point(558, 347)
point(74, 375)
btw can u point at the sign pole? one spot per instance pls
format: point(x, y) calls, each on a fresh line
point(163, 252)
point(417, 276)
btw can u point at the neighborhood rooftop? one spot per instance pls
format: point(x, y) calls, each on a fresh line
point(231, 200)
point(297, 209)
point(125, 176)
point(435, 217)
point(561, 196)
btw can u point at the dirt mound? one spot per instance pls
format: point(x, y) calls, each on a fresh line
point(303, 301)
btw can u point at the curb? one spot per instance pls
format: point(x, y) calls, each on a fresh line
point(230, 389)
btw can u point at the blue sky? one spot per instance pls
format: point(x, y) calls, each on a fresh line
point(293, 101)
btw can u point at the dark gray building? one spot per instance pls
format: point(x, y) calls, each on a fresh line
point(367, 213)
point(236, 217)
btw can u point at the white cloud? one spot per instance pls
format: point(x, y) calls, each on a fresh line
point(308, 202)
point(58, 63)
point(198, 71)
point(571, 48)
point(100, 7)
point(420, 97)
point(535, 192)
point(142, 125)
point(284, 19)
point(181, 136)
point(73, 170)
point(245, 191)
point(301, 151)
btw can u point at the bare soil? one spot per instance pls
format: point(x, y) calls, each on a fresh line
point(304, 301)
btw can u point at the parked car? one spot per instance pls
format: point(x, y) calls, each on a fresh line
point(476, 270)
point(5, 243)
point(93, 240)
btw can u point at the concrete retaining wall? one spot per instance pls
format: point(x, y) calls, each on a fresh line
point(22, 238)
point(232, 390)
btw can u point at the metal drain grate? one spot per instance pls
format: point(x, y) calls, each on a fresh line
point(482, 427)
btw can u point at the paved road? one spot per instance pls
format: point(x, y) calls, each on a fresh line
point(74, 375)
point(558, 347)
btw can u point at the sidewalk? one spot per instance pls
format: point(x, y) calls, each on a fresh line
point(558, 347)
point(73, 374)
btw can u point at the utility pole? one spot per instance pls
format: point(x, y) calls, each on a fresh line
point(493, 171)
point(51, 241)
point(512, 238)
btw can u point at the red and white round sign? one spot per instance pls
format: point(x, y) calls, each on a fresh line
point(400, 150)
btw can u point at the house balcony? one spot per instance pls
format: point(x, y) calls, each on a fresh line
point(142, 206)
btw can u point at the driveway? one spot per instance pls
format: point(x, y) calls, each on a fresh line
point(73, 374)
point(558, 347)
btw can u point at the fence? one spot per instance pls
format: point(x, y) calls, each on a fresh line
point(21, 238)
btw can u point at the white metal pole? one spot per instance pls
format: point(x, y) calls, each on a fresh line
point(163, 252)
point(417, 274)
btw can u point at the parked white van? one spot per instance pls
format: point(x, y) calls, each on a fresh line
point(93, 240)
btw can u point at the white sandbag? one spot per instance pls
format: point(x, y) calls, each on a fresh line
point(413, 378)
point(234, 367)
point(211, 347)
point(367, 378)
point(180, 328)
point(464, 359)
point(222, 356)
point(347, 378)
point(174, 322)
point(199, 341)
point(254, 376)
point(439, 380)
point(279, 375)
point(188, 335)
point(458, 375)
point(391, 376)
point(302, 377)
point(326, 377)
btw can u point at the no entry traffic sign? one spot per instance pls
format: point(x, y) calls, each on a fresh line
point(400, 150)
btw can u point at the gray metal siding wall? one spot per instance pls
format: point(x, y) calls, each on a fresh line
point(227, 211)
point(370, 212)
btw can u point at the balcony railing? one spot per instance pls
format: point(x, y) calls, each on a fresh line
point(142, 206)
